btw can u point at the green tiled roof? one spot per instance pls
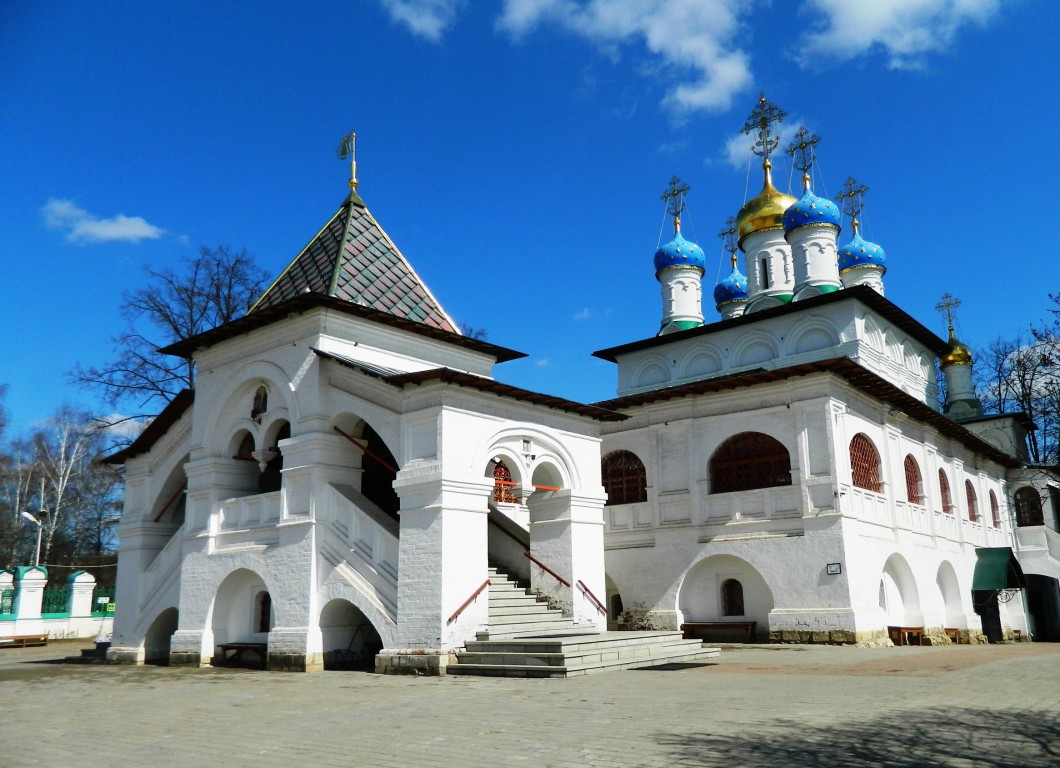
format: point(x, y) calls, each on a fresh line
point(353, 259)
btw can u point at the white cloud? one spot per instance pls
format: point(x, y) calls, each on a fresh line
point(82, 227)
point(692, 38)
point(905, 29)
point(738, 147)
point(542, 362)
point(584, 314)
point(424, 18)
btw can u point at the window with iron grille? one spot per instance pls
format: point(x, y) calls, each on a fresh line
point(749, 460)
point(503, 487)
point(944, 491)
point(914, 484)
point(1029, 507)
point(624, 478)
point(865, 464)
point(973, 507)
point(731, 598)
point(995, 513)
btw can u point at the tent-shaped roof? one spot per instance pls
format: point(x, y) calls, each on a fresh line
point(353, 259)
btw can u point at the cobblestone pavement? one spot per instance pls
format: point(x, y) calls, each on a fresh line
point(758, 706)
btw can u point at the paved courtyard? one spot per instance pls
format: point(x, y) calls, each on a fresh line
point(757, 706)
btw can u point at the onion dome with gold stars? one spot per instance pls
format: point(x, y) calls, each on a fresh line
point(860, 254)
point(732, 288)
point(811, 211)
point(679, 253)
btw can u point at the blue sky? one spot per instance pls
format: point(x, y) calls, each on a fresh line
point(514, 150)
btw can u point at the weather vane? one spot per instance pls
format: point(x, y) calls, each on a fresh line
point(802, 153)
point(853, 201)
point(348, 149)
point(761, 118)
point(675, 200)
point(948, 307)
point(728, 239)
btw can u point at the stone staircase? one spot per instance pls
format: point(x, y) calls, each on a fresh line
point(526, 638)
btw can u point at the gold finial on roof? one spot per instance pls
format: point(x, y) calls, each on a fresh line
point(959, 353)
point(728, 239)
point(675, 200)
point(802, 154)
point(765, 210)
point(348, 149)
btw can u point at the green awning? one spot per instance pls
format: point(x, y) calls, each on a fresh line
point(997, 568)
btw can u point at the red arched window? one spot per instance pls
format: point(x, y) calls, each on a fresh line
point(973, 506)
point(865, 464)
point(944, 491)
point(995, 513)
point(914, 484)
point(624, 478)
point(502, 485)
point(749, 460)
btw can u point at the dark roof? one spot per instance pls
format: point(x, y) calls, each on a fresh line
point(1020, 417)
point(305, 301)
point(352, 258)
point(480, 383)
point(154, 431)
point(867, 296)
point(862, 378)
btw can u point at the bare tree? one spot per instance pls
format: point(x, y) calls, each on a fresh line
point(210, 289)
point(63, 449)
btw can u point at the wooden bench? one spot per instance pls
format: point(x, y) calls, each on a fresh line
point(906, 635)
point(23, 640)
point(232, 653)
point(953, 634)
point(720, 631)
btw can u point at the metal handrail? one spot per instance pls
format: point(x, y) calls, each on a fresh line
point(546, 569)
point(593, 597)
point(468, 602)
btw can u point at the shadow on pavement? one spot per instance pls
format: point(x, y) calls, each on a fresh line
point(936, 737)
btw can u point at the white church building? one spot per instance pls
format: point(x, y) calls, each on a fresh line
point(349, 482)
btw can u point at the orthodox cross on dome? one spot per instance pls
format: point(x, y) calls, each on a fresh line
point(348, 149)
point(729, 240)
point(948, 307)
point(675, 200)
point(760, 120)
point(802, 153)
point(852, 201)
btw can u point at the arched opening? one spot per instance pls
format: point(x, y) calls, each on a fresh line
point(624, 478)
point(158, 638)
point(242, 448)
point(944, 492)
point(899, 596)
point(995, 511)
point(865, 464)
point(973, 506)
point(350, 640)
point(263, 612)
point(715, 588)
point(237, 616)
point(1029, 507)
point(271, 478)
point(946, 580)
point(503, 484)
point(914, 483)
point(747, 461)
point(380, 471)
point(171, 504)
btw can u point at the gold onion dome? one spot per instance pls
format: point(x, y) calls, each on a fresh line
point(959, 353)
point(765, 210)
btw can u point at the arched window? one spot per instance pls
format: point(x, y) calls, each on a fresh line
point(973, 507)
point(865, 464)
point(914, 484)
point(246, 448)
point(503, 485)
point(749, 460)
point(995, 513)
point(624, 478)
point(1029, 507)
point(944, 491)
point(731, 598)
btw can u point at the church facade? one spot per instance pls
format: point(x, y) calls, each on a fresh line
point(347, 470)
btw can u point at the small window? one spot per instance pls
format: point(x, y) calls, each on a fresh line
point(1029, 507)
point(731, 598)
point(944, 491)
point(747, 461)
point(503, 485)
point(624, 478)
point(263, 612)
point(995, 513)
point(765, 273)
point(914, 484)
point(973, 507)
point(261, 403)
point(865, 464)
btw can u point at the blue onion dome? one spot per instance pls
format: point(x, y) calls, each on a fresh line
point(679, 253)
point(811, 210)
point(732, 288)
point(860, 254)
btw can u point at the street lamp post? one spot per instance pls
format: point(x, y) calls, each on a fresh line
point(40, 530)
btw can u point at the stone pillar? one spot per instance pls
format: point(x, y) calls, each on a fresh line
point(442, 561)
point(567, 535)
point(29, 594)
point(80, 585)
